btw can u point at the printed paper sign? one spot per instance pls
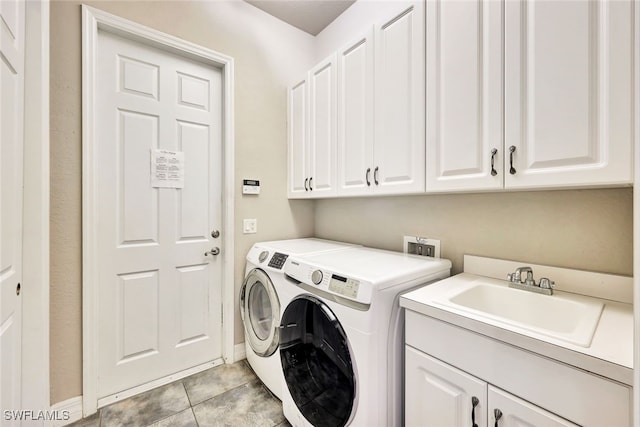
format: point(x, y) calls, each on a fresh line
point(167, 169)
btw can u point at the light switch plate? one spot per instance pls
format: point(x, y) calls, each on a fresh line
point(250, 226)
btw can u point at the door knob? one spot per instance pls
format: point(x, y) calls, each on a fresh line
point(215, 234)
point(214, 251)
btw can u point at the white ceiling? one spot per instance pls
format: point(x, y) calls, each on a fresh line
point(311, 16)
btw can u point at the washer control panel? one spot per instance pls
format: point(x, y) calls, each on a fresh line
point(344, 286)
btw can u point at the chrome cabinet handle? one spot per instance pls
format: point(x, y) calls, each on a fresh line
point(375, 175)
point(497, 413)
point(213, 252)
point(367, 177)
point(305, 184)
point(512, 150)
point(310, 181)
point(494, 172)
point(474, 402)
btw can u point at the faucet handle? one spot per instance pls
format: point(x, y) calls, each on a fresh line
point(545, 283)
point(530, 281)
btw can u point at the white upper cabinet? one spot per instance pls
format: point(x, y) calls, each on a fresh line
point(355, 116)
point(568, 92)
point(399, 147)
point(464, 95)
point(323, 129)
point(312, 132)
point(298, 138)
point(564, 83)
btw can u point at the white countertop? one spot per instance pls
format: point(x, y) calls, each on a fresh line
point(610, 353)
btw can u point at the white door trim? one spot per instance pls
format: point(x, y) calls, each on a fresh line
point(35, 274)
point(92, 20)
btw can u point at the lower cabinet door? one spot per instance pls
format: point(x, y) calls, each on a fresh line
point(506, 410)
point(440, 395)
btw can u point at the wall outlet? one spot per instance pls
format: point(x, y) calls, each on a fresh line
point(421, 246)
point(250, 226)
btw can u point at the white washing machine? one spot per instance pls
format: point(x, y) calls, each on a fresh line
point(260, 304)
point(341, 335)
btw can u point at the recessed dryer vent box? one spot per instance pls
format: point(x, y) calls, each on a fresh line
point(422, 246)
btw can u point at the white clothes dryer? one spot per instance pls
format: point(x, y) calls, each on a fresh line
point(260, 304)
point(341, 335)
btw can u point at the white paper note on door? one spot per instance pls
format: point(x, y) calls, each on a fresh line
point(167, 169)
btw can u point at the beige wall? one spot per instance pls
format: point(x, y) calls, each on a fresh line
point(268, 55)
point(583, 229)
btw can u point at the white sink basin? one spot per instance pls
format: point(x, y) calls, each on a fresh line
point(567, 317)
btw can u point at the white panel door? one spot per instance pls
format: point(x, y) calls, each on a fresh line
point(464, 95)
point(12, 24)
point(515, 412)
point(322, 128)
point(159, 294)
point(298, 139)
point(568, 92)
point(355, 116)
point(399, 153)
point(439, 395)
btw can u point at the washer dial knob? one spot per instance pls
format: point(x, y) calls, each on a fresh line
point(316, 277)
point(263, 255)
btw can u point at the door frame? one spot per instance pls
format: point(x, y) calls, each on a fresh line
point(92, 21)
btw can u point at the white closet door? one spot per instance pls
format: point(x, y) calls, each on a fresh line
point(12, 27)
point(159, 293)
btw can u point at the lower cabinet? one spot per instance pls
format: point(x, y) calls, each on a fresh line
point(438, 394)
point(457, 377)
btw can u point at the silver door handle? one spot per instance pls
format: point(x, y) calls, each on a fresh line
point(214, 251)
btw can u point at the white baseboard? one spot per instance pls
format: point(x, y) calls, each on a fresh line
point(239, 352)
point(72, 407)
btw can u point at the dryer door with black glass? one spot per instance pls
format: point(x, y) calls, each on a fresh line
point(317, 362)
point(260, 312)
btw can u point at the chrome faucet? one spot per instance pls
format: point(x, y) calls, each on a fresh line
point(528, 283)
point(516, 276)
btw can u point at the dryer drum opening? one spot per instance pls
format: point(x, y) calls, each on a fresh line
point(316, 362)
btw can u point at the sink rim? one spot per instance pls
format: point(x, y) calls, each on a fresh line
point(582, 334)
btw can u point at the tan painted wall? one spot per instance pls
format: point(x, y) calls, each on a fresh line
point(583, 229)
point(268, 55)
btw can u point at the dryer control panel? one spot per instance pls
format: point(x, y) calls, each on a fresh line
point(332, 282)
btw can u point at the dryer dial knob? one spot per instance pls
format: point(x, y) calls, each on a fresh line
point(263, 255)
point(316, 277)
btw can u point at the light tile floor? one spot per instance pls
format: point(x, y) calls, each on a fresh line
point(227, 395)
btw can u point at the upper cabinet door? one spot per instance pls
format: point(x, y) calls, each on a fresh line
point(322, 128)
point(298, 137)
point(399, 117)
point(355, 116)
point(464, 95)
point(568, 93)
